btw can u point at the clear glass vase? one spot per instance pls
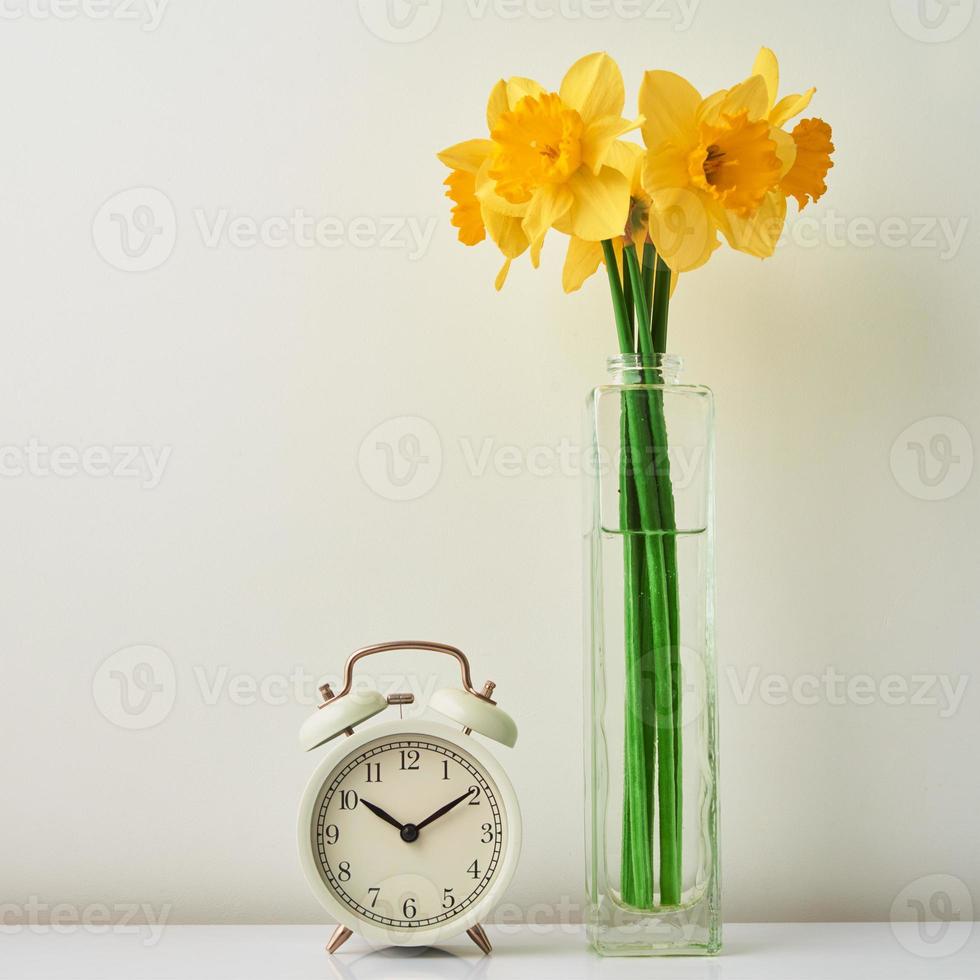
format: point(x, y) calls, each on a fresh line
point(651, 705)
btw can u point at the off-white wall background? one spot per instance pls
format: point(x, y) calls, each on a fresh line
point(269, 548)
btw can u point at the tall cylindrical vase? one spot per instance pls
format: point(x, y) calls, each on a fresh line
point(651, 705)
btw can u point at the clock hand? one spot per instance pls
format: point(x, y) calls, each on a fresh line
point(378, 812)
point(443, 810)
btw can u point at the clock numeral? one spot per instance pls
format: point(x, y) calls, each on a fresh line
point(373, 772)
point(473, 870)
point(488, 835)
point(410, 759)
point(448, 899)
point(331, 833)
point(409, 911)
point(348, 799)
point(374, 897)
point(445, 768)
point(343, 871)
point(475, 797)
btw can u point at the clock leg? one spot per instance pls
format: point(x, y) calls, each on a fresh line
point(340, 936)
point(479, 937)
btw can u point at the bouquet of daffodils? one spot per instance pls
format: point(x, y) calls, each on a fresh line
point(720, 166)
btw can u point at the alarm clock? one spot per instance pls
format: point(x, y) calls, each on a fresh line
point(409, 831)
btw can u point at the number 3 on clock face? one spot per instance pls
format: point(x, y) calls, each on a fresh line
point(410, 836)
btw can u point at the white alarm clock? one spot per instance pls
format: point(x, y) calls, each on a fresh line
point(409, 831)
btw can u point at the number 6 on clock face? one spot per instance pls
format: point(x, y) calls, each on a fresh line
point(410, 836)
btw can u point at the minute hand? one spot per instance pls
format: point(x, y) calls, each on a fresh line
point(443, 810)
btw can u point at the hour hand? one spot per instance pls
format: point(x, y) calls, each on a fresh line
point(378, 812)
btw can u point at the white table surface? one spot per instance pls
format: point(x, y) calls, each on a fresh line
point(875, 951)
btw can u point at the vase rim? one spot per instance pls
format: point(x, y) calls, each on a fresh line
point(667, 365)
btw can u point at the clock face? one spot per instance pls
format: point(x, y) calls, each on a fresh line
point(408, 831)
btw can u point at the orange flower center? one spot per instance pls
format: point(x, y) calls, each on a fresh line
point(735, 162)
point(536, 143)
point(813, 148)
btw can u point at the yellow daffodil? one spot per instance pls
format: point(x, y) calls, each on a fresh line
point(724, 164)
point(548, 165)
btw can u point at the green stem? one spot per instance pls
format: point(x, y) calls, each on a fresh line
point(632, 271)
point(667, 675)
point(661, 305)
point(648, 624)
point(649, 261)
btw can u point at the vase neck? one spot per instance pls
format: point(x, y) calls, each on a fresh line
point(657, 369)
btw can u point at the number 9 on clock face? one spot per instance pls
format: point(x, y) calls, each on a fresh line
point(410, 836)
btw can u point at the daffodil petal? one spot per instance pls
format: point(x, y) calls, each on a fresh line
point(665, 167)
point(498, 283)
point(548, 205)
point(593, 86)
point(581, 261)
point(669, 105)
point(468, 155)
point(497, 103)
point(517, 88)
point(751, 96)
point(599, 136)
point(759, 234)
point(601, 203)
point(506, 232)
point(684, 227)
point(785, 149)
point(767, 66)
point(789, 106)
point(708, 110)
point(624, 157)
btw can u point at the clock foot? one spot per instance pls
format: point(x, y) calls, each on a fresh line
point(480, 938)
point(340, 936)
